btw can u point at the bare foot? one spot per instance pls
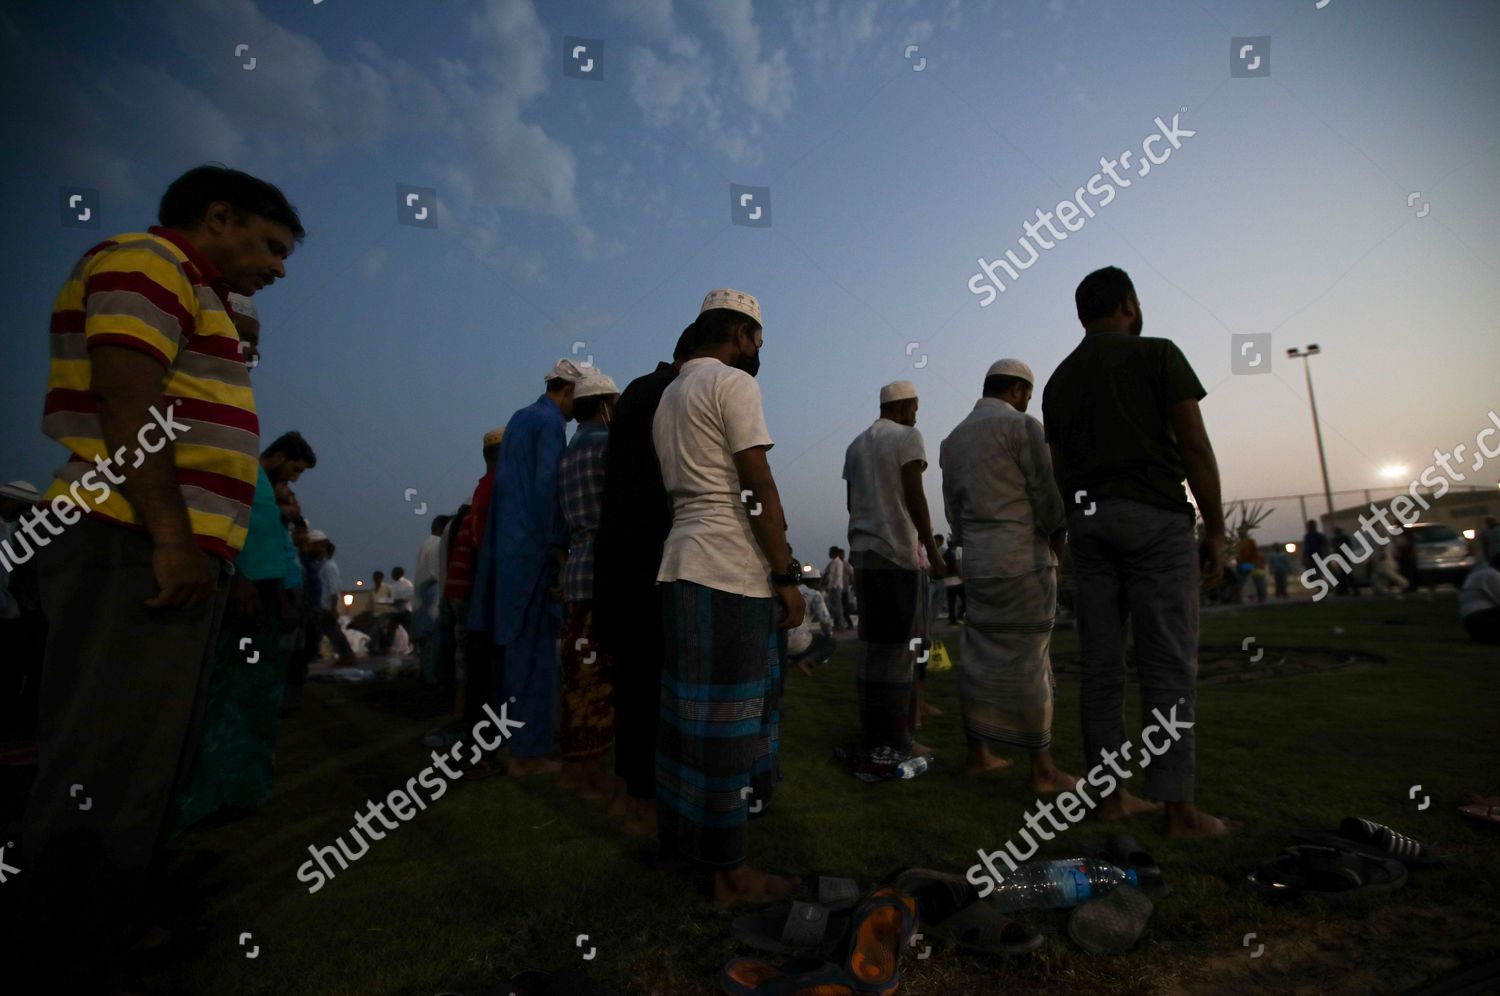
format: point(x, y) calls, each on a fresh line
point(1122, 805)
point(642, 823)
point(746, 885)
point(928, 709)
point(522, 766)
point(1186, 820)
point(981, 761)
point(1051, 782)
point(920, 750)
point(805, 668)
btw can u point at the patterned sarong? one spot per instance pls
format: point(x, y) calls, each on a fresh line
point(720, 717)
point(1005, 676)
point(889, 619)
point(588, 714)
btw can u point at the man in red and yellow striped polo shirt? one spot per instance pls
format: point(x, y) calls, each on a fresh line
point(150, 393)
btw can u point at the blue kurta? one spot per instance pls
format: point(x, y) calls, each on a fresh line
point(515, 568)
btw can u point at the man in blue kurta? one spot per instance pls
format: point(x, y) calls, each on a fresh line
point(517, 591)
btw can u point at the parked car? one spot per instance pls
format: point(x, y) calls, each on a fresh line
point(1442, 554)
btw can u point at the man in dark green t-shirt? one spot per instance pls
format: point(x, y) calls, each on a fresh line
point(1122, 420)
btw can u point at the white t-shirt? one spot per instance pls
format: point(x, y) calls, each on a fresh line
point(878, 518)
point(401, 592)
point(1480, 591)
point(836, 575)
point(709, 413)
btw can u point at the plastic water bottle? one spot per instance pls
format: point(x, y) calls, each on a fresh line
point(1046, 885)
point(911, 767)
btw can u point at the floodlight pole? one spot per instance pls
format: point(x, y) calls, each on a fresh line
point(1313, 350)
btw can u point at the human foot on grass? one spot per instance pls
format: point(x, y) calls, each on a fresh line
point(1051, 781)
point(1122, 805)
point(1185, 820)
point(981, 761)
point(521, 766)
point(746, 885)
point(928, 709)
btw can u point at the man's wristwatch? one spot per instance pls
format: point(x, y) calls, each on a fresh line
point(793, 575)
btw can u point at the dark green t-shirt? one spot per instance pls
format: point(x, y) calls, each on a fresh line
point(1106, 409)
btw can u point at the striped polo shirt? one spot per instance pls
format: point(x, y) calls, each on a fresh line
point(154, 292)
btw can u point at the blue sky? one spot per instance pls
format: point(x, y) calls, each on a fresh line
point(597, 211)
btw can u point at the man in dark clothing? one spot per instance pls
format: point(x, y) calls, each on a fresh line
point(1313, 542)
point(633, 527)
point(1122, 418)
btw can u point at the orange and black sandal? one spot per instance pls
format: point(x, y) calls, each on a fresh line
point(882, 927)
point(754, 977)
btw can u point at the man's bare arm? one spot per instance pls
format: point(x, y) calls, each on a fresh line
point(127, 385)
point(1203, 477)
point(921, 517)
point(768, 525)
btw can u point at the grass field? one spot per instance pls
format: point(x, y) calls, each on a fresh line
point(503, 874)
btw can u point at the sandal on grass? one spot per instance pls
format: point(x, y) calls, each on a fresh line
point(979, 928)
point(1112, 923)
point(1373, 840)
point(1483, 812)
point(1327, 872)
point(939, 895)
point(793, 928)
point(1125, 852)
point(754, 977)
point(881, 927)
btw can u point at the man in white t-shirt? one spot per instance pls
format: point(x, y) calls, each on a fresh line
point(888, 518)
point(730, 584)
point(835, 583)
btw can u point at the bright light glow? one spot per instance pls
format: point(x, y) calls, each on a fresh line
point(1291, 548)
point(348, 599)
point(1393, 470)
point(359, 584)
point(1469, 534)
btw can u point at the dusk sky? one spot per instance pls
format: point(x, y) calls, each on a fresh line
point(596, 210)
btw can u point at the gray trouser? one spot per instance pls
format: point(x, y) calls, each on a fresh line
point(835, 602)
point(121, 704)
point(1138, 564)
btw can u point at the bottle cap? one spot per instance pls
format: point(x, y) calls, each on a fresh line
point(1131, 878)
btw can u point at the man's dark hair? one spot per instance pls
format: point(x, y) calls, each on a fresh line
point(378, 575)
point(687, 344)
point(188, 198)
point(397, 573)
point(997, 384)
point(937, 537)
point(292, 446)
point(712, 326)
point(299, 523)
point(895, 407)
point(556, 384)
point(1101, 293)
point(586, 408)
point(833, 551)
point(439, 523)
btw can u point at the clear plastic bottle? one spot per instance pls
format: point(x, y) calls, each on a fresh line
point(911, 767)
point(1046, 885)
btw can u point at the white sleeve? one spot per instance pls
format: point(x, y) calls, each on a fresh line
point(912, 448)
point(744, 418)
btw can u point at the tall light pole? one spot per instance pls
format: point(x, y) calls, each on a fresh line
point(1303, 354)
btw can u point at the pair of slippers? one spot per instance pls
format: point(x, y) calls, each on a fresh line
point(1363, 858)
point(845, 948)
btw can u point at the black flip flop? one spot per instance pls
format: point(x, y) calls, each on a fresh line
point(1111, 924)
point(806, 930)
point(1372, 839)
point(939, 895)
point(979, 928)
point(1329, 873)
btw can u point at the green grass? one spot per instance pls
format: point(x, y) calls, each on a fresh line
point(502, 875)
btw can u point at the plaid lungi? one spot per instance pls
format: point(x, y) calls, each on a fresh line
point(588, 712)
point(889, 620)
point(1005, 676)
point(720, 718)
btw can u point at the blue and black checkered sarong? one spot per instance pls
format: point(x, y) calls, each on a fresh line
point(720, 716)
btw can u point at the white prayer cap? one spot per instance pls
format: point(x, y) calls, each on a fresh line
point(20, 491)
point(1011, 368)
point(899, 390)
point(595, 382)
point(565, 369)
point(493, 437)
point(316, 536)
point(734, 300)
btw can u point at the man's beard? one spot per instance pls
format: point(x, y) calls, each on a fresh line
point(749, 364)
